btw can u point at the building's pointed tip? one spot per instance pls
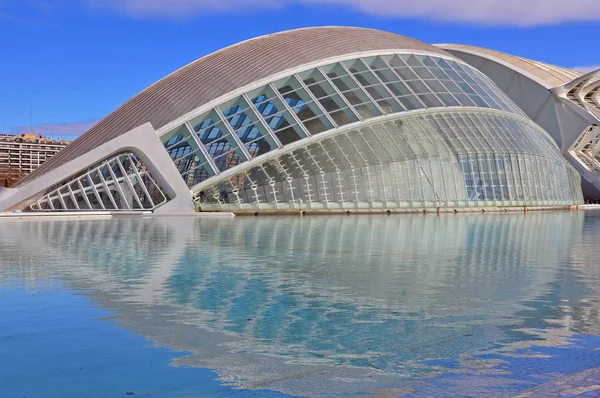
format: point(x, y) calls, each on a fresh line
point(575, 85)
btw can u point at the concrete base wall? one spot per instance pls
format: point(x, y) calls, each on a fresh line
point(424, 210)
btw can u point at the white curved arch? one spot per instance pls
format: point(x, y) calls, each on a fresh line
point(509, 65)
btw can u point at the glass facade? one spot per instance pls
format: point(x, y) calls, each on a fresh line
point(446, 159)
point(119, 183)
point(320, 99)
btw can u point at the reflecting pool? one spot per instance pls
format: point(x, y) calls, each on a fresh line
point(411, 305)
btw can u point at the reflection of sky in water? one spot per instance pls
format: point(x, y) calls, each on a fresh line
point(324, 304)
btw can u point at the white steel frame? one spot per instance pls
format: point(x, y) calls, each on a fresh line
point(119, 190)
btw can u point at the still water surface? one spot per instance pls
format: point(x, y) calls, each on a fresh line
point(276, 306)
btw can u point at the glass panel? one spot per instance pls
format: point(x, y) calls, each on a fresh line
point(464, 100)
point(436, 86)
point(301, 103)
point(390, 106)
point(452, 87)
point(442, 63)
point(410, 60)
point(331, 101)
point(209, 127)
point(387, 76)
point(311, 77)
point(334, 70)
point(439, 73)
point(186, 154)
point(418, 87)
point(288, 133)
point(215, 136)
point(356, 66)
point(184, 149)
point(399, 89)
point(260, 146)
point(190, 162)
point(175, 139)
point(276, 115)
point(287, 84)
point(248, 128)
point(453, 75)
point(368, 110)
point(375, 63)
point(423, 73)
point(427, 61)
point(321, 90)
point(366, 79)
point(344, 83)
point(226, 159)
point(334, 104)
point(378, 92)
point(468, 78)
point(410, 102)
point(480, 102)
point(429, 100)
point(344, 116)
point(406, 73)
point(197, 175)
point(219, 147)
point(395, 61)
point(466, 88)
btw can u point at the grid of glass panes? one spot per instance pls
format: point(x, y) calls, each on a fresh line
point(119, 183)
point(187, 155)
point(321, 99)
point(446, 159)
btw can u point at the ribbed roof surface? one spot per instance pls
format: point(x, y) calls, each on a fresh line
point(553, 75)
point(219, 73)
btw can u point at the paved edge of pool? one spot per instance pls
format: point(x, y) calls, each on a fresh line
point(108, 215)
point(435, 210)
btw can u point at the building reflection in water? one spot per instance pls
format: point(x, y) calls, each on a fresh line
point(264, 299)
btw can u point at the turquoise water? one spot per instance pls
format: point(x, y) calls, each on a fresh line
point(408, 305)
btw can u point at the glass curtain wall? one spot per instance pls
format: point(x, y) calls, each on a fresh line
point(321, 99)
point(439, 160)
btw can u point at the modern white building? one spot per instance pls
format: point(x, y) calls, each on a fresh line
point(564, 102)
point(328, 119)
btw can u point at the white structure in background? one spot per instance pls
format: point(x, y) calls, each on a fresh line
point(564, 102)
point(323, 119)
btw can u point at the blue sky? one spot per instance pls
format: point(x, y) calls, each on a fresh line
point(72, 62)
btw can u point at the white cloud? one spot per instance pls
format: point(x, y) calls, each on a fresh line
point(486, 12)
point(183, 8)
point(57, 129)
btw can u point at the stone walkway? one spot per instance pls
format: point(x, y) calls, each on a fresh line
point(584, 384)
